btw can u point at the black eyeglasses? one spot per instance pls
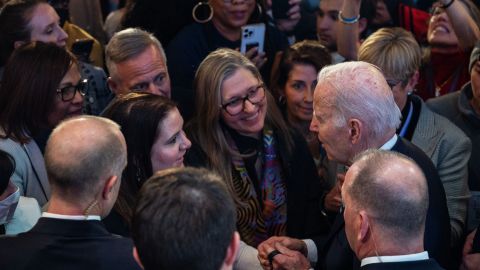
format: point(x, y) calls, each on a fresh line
point(237, 105)
point(68, 92)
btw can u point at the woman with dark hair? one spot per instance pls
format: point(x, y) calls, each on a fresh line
point(153, 130)
point(239, 132)
point(23, 21)
point(293, 84)
point(41, 87)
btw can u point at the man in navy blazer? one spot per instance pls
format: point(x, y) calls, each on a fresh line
point(354, 110)
point(385, 231)
point(84, 158)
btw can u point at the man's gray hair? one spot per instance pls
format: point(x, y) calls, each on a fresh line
point(129, 43)
point(393, 190)
point(359, 90)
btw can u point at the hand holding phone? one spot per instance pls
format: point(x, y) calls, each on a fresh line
point(253, 35)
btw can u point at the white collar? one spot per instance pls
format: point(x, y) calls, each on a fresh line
point(399, 258)
point(390, 143)
point(70, 217)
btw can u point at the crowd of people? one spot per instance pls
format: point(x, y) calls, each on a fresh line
point(351, 140)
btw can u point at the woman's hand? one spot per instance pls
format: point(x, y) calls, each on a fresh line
point(258, 59)
point(288, 24)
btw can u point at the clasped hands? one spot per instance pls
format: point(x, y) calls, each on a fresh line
point(292, 254)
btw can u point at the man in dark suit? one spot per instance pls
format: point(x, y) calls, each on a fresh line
point(354, 110)
point(185, 219)
point(84, 158)
point(386, 230)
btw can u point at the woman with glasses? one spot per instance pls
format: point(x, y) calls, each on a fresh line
point(24, 21)
point(453, 30)
point(239, 132)
point(153, 130)
point(218, 25)
point(41, 87)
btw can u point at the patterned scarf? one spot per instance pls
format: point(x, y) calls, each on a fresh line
point(257, 221)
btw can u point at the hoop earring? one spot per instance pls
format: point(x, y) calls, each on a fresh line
point(259, 7)
point(194, 11)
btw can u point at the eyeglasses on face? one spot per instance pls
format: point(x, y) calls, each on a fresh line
point(237, 105)
point(68, 93)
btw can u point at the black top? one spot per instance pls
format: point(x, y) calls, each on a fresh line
point(304, 218)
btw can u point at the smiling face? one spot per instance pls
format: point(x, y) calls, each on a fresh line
point(171, 143)
point(146, 72)
point(231, 14)
point(440, 31)
point(299, 88)
point(66, 109)
point(45, 26)
point(250, 120)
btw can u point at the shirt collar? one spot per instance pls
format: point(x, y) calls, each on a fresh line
point(390, 143)
point(399, 258)
point(71, 217)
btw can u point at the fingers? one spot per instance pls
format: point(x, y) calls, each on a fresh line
point(467, 248)
point(289, 259)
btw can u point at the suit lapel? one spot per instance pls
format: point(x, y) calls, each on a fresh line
point(425, 134)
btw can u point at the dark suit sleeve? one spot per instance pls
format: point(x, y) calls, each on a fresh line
point(437, 224)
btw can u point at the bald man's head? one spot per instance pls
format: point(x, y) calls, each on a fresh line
point(81, 154)
point(391, 189)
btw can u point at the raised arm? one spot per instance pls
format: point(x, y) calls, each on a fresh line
point(348, 29)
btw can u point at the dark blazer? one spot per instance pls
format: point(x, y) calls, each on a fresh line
point(334, 251)
point(66, 244)
point(304, 217)
point(429, 264)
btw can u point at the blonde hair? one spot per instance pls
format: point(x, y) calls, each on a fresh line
point(206, 128)
point(394, 50)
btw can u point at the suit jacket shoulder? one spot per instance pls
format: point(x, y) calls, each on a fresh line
point(66, 244)
point(437, 224)
point(449, 149)
point(30, 175)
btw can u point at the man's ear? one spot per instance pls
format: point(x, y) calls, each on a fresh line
point(136, 257)
point(364, 227)
point(354, 128)
point(232, 251)
point(114, 87)
point(412, 82)
point(109, 187)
